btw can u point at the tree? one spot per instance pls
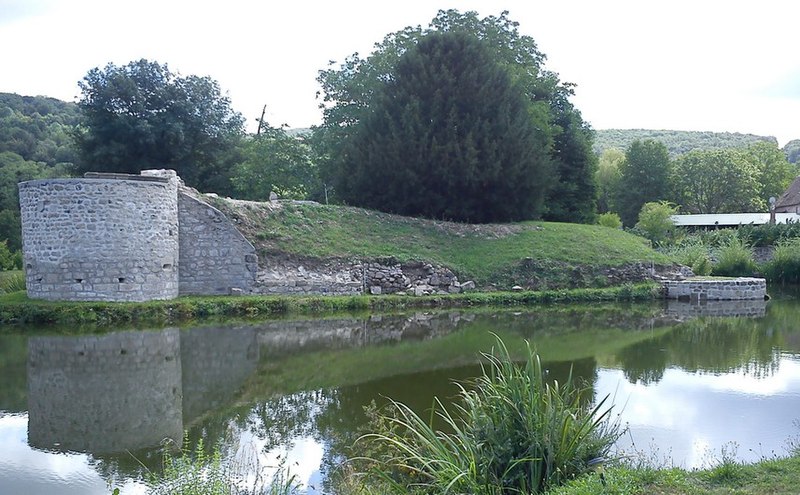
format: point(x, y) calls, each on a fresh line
point(349, 89)
point(644, 177)
point(607, 178)
point(275, 162)
point(773, 171)
point(715, 181)
point(449, 136)
point(655, 222)
point(141, 116)
point(792, 151)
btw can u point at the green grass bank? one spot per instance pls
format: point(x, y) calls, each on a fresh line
point(16, 309)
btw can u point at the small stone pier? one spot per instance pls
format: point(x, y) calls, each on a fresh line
point(716, 289)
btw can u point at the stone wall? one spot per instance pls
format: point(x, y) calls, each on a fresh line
point(716, 290)
point(215, 258)
point(105, 394)
point(100, 239)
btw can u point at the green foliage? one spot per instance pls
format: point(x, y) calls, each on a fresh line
point(677, 142)
point(11, 280)
point(694, 254)
point(38, 128)
point(792, 151)
point(350, 88)
point(773, 172)
point(449, 136)
point(734, 259)
point(655, 222)
point(768, 234)
point(610, 220)
point(644, 178)
point(141, 116)
point(607, 177)
point(275, 162)
point(784, 267)
point(716, 181)
point(512, 431)
point(9, 260)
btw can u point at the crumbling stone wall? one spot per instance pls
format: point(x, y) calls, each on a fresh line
point(215, 258)
point(104, 238)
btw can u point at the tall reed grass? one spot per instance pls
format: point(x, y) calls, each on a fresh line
point(512, 431)
point(784, 267)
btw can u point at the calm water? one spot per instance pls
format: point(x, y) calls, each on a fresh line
point(86, 414)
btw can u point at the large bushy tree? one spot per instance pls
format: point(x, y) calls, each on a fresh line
point(644, 177)
point(141, 116)
point(449, 136)
point(714, 181)
point(349, 89)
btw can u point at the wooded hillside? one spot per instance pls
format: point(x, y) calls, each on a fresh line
point(677, 142)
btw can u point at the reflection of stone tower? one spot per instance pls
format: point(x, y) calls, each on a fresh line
point(215, 364)
point(104, 394)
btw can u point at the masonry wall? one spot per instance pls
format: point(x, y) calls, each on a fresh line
point(716, 290)
point(100, 239)
point(105, 394)
point(215, 258)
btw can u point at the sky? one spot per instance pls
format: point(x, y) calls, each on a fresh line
point(702, 65)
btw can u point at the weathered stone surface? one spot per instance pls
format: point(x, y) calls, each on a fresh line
point(716, 290)
point(101, 239)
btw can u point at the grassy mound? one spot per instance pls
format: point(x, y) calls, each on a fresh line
point(484, 253)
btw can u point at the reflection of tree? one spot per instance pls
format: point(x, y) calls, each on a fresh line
point(13, 363)
point(714, 345)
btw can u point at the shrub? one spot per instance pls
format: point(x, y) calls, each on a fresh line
point(512, 432)
point(610, 220)
point(693, 254)
point(655, 221)
point(735, 259)
point(9, 260)
point(12, 282)
point(784, 267)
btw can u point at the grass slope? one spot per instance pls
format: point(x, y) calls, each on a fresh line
point(479, 252)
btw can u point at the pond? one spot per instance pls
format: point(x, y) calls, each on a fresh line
point(86, 414)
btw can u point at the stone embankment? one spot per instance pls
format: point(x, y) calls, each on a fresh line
point(351, 277)
point(704, 289)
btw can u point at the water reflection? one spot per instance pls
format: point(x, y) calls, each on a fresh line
point(689, 381)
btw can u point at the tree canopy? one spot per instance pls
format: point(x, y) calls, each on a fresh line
point(644, 177)
point(449, 136)
point(677, 142)
point(141, 116)
point(350, 89)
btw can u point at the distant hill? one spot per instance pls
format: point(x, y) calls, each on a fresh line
point(37, 128)
point(677, 142)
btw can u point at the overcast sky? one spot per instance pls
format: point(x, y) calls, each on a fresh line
point(689, 65)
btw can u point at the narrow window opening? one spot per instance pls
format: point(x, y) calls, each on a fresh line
point(166, 266)
point(79, 280)
point(121, 280)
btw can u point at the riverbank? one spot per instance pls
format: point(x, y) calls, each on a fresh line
point(16, 309)
point(778, 476)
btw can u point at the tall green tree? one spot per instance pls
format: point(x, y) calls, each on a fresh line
point(449, 136)
point(773, 171)
point(607, 178)
point(348, 92)
point(644, 177)
point(714, 181)
point(275, 162)
point(141, 116)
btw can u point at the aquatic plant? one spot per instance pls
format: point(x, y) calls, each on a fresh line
point(512, 431)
